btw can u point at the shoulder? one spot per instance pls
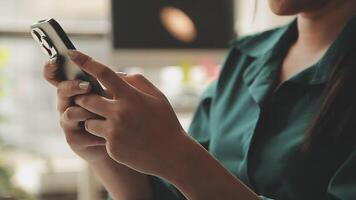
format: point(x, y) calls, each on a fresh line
point(259, 43)
point(243, 52)
point(246, 49)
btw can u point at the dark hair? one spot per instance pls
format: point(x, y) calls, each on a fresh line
point(336, 119)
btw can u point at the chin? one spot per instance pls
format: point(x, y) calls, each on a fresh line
point(293, 7)
point(286, 7)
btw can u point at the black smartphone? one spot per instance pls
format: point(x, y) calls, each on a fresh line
point(55, 43)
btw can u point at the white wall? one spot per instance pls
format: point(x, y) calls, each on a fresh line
point(264, 19)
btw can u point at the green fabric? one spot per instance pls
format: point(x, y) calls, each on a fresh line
point(255, 128)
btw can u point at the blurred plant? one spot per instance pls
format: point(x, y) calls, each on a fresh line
point(8, 191)
point(7, 188)
point(4, 58)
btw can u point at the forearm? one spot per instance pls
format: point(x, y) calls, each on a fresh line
point(122, 182)
point(201, 177)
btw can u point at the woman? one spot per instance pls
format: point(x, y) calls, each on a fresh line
point(278, 124)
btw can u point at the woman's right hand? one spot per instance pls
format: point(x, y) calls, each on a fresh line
point(89, 147)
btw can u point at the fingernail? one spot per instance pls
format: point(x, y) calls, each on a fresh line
point(72, 54)
point(52, 60)
point(121, 73)
point(84, 85)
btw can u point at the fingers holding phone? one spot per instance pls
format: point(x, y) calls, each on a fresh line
point(68, 89)
point(87, 146)
point(51, 71)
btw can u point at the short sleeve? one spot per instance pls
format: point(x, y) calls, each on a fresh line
point(343, 184)
point(200, 125)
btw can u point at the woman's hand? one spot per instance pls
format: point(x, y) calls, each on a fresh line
point(121, 181)
point(142, 132)
point(89, 147)
point(139, 125)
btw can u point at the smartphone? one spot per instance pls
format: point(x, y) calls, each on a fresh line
point(54, 42)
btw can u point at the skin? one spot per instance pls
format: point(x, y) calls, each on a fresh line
point(319, 23)
point(292, 7)
point(133, 131)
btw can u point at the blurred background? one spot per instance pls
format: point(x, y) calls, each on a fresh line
point(178, 45)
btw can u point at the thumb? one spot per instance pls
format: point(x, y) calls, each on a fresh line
point(109, 94)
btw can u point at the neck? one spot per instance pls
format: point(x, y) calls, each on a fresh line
point(317, 30)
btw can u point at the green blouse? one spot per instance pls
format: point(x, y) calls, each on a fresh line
point(255, 127)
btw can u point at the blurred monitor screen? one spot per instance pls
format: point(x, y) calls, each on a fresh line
point(172, 23)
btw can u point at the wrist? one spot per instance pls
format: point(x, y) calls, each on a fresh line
point(120, 181)
point(198, 175)
point(185, 156)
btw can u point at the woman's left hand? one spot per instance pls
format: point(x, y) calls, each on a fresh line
point(140, 127)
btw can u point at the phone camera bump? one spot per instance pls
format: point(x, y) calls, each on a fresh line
point(36, 36)
point(46, 50)
point(46, 42)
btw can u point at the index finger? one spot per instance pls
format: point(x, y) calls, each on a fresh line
point(104, 74)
